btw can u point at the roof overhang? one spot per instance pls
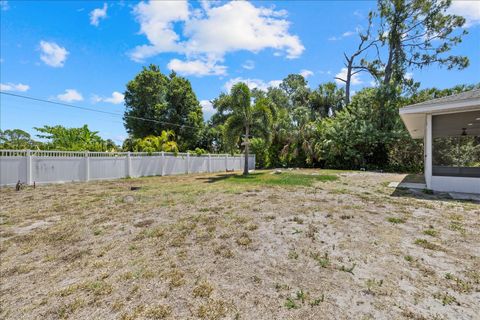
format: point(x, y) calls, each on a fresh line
point(414, 116)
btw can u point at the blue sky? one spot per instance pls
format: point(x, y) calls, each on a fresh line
point(83, 53)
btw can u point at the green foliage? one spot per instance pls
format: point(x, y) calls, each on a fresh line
point(163, 142)
point(17, 139)
point(73, 139)
point(170, 101)
point(416, 34)
point(245, 118)
point(283, 179)
point(356, 137)
point(260, 148)
point(198, 151)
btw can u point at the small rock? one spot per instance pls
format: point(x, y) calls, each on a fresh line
point(128, 199)
point(278, 171)
point(135, 188)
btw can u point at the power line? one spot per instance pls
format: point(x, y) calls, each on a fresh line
point(93, 110)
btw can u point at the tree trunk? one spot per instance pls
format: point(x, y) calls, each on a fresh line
point(247, 142)
point(348, 82)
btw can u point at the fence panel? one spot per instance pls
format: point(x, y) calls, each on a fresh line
point(175, 165)
point(107, 168)
point(65, 166)
point(146, 166)
point(57, 169)
point(13, 169)
point(198, 164)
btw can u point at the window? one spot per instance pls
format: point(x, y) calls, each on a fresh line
point(456, 144)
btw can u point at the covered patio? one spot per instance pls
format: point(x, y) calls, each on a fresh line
point(450, 128)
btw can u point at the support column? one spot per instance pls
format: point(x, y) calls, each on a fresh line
point(209, 167)
point(163, 163)
point(87, 166)
point(428, 151)
point(128, 165)
point(226, 162)
point(188, 162)
point(29, 168)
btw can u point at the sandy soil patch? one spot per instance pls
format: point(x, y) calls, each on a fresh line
point(218, 247)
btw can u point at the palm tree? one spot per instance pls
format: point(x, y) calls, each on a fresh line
point(245, 118)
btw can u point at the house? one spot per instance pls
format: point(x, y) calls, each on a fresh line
point(450, 129)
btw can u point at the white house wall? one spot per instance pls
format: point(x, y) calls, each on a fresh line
point(455, 184)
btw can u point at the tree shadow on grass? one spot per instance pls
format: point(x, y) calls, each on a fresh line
point(229, 176)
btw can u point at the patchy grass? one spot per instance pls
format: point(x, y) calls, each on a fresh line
point(283, 179)
point(396, 220)
point(303, 244)
point(427, 245)
point(430, 232)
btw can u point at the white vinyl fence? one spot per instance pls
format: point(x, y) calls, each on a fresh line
point(29, 166)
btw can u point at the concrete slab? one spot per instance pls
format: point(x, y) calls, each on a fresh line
point(408, 185)
point(464, 196)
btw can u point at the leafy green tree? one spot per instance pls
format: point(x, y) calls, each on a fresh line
point(168, 102)
point(326, 100)
point(17, 139)
point(245, 118)
point(185, 111)
point(163, 142)
point(417, 34)
point(295, 87)
point(145, 97)
point(353, 138)
point(73, 139)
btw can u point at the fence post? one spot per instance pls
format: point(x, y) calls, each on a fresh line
point(226, 162)
point(209, 163)
point(163, 163)
point(188, 162)
point(129, 165)
point(29, 167)
point(87, 166)
point(254, 161)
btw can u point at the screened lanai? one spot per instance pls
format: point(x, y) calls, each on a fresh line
point(450, 128)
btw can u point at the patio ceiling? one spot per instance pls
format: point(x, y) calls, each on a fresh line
point(463, 110)
point(456, 124)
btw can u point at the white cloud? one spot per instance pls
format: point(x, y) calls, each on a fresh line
point(206, 34)
point(354, 80)
point(408, 75)
point(70, 95)
point(348, 34)
point(207, 106)
point(97, 14)
point(344, 35)
point(249, 65)
point(115, 98)
point(252, 83)
point(19, 87)
point(306, 73)
point(239, 25)
point(358, 14)
point(197, 67)
point(470, 10)
point(156, 20)
point(52, 54)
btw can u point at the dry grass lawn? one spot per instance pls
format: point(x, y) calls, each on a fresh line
point(304, 244)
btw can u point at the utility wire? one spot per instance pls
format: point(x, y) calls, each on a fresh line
point(93, 110)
